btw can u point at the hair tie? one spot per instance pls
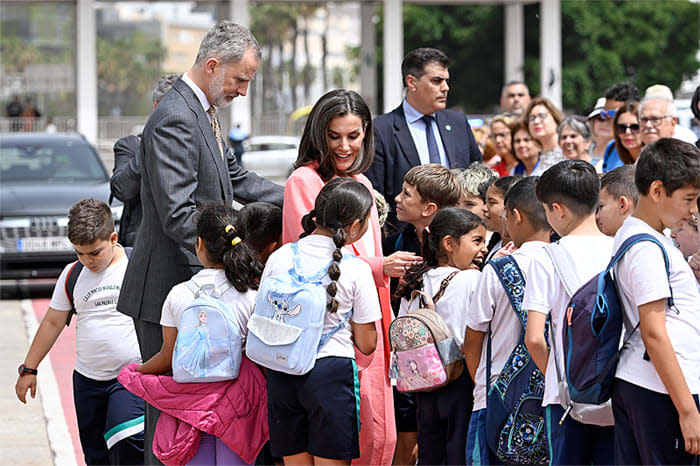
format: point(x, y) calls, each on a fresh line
point(229, 228)
point(235, 241)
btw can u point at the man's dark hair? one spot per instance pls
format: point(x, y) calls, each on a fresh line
point(694, 103)
point(620, 182)
point(622, 92)
point(89, 220)
point(415, 61)
point(673, 162)
point(523, 196)
point(571, 183)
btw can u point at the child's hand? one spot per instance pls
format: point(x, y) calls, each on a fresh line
point(690, 427)
point(506, 250)
point(24, 383)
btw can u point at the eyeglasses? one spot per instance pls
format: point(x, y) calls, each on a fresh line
point(537, 116)
point(655, 120)
point(499, 135)
point(634, 128)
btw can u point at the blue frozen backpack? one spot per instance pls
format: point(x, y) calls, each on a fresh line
point(515, 421)
point(285, 331)
point(209, 345)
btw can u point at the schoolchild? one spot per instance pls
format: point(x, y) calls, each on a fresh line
point(263, 227)
point(231, 266)
point(475, 181)
point(569, 192)
point(110, 419)
point(493, 211)
point(490, 309)
point(618, 197)
point(426, 189)
point(315, 417)
point(655, 396)
point(454, 244)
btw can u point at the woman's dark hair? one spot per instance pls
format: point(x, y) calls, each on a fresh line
point(224, 236)
point(263, 224)
point(633, 109)
point(450, 221)
point(341, 202)
point(314, 141)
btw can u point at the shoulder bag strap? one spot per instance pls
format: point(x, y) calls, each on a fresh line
point(564, 266)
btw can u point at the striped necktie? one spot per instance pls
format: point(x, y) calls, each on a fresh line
point(216, 128)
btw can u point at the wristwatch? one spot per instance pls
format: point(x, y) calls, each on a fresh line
point(22, 369)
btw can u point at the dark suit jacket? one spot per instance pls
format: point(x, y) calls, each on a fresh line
point(395, 152)
point(181, 168)
point(125, 185)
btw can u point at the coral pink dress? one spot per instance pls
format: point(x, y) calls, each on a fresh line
point(378, 429)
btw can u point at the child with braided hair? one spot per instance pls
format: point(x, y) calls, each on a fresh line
point(314, 417)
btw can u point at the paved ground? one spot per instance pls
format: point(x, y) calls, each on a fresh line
point(43, 431)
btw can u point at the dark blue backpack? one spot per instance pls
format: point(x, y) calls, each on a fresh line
point(591, 332)
point(515, 422)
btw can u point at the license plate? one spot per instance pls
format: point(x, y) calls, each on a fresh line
point(49, 243)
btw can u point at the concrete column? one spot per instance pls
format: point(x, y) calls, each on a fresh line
point(514, 42)
point(393, 53)
point(86, 69)
point(368, 55)
point(550, 50)
point(241, 106)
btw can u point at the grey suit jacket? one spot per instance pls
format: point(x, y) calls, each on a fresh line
point(181, 169)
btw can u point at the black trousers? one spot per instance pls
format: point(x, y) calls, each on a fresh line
point(150, 337)
point(443, 420)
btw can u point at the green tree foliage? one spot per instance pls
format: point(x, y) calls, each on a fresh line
point(127, 69)
point(604, 42)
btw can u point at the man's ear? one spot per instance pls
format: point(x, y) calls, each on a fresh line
point(210, 65)
point(411, 82)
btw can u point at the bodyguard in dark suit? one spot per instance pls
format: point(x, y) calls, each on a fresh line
point(184, 164)
point(420, 130)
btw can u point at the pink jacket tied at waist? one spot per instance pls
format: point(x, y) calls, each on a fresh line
point(234, 411)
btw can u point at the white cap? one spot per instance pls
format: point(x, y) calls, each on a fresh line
point(599, 107)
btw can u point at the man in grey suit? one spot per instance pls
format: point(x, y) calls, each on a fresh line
point(184, 163)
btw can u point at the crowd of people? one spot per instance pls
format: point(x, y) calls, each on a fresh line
point(377, 212)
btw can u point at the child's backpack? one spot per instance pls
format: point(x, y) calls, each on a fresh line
point(591, 334)
point(209, 345)
point(72, 279)
point(425, 355)
point(515, 421)
point(285, 330)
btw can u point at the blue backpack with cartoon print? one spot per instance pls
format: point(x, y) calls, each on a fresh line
point(285, 331)
point(515, 422)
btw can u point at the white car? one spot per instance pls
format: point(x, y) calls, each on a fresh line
point(271, 157)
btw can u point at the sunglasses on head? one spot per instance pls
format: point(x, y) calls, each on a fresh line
point(634, 128)
point(607, 114)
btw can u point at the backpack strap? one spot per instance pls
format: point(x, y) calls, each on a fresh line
point(564, 267)
point(341, 324)
point(443, 286)
point(72, 279)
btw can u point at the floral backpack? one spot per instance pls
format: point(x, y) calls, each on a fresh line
point(425, 355)
point(515, 422)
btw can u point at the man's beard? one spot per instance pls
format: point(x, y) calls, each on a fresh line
point(216, 90)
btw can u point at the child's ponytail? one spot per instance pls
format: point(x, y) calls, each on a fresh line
point(224, 238)
point(341, 202)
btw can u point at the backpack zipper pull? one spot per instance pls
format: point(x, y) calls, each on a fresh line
point(566, 413)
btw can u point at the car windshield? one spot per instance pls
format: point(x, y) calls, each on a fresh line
point(270, 146)
point(61, 161)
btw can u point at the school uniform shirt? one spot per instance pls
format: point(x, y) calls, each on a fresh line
point(454, 303)
point(180, 296)
point(641, 279)
point(356, 289)
point(490, 308)
point(105, 339)
point(545, 293)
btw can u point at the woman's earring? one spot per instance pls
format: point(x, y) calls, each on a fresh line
point(353, 234)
